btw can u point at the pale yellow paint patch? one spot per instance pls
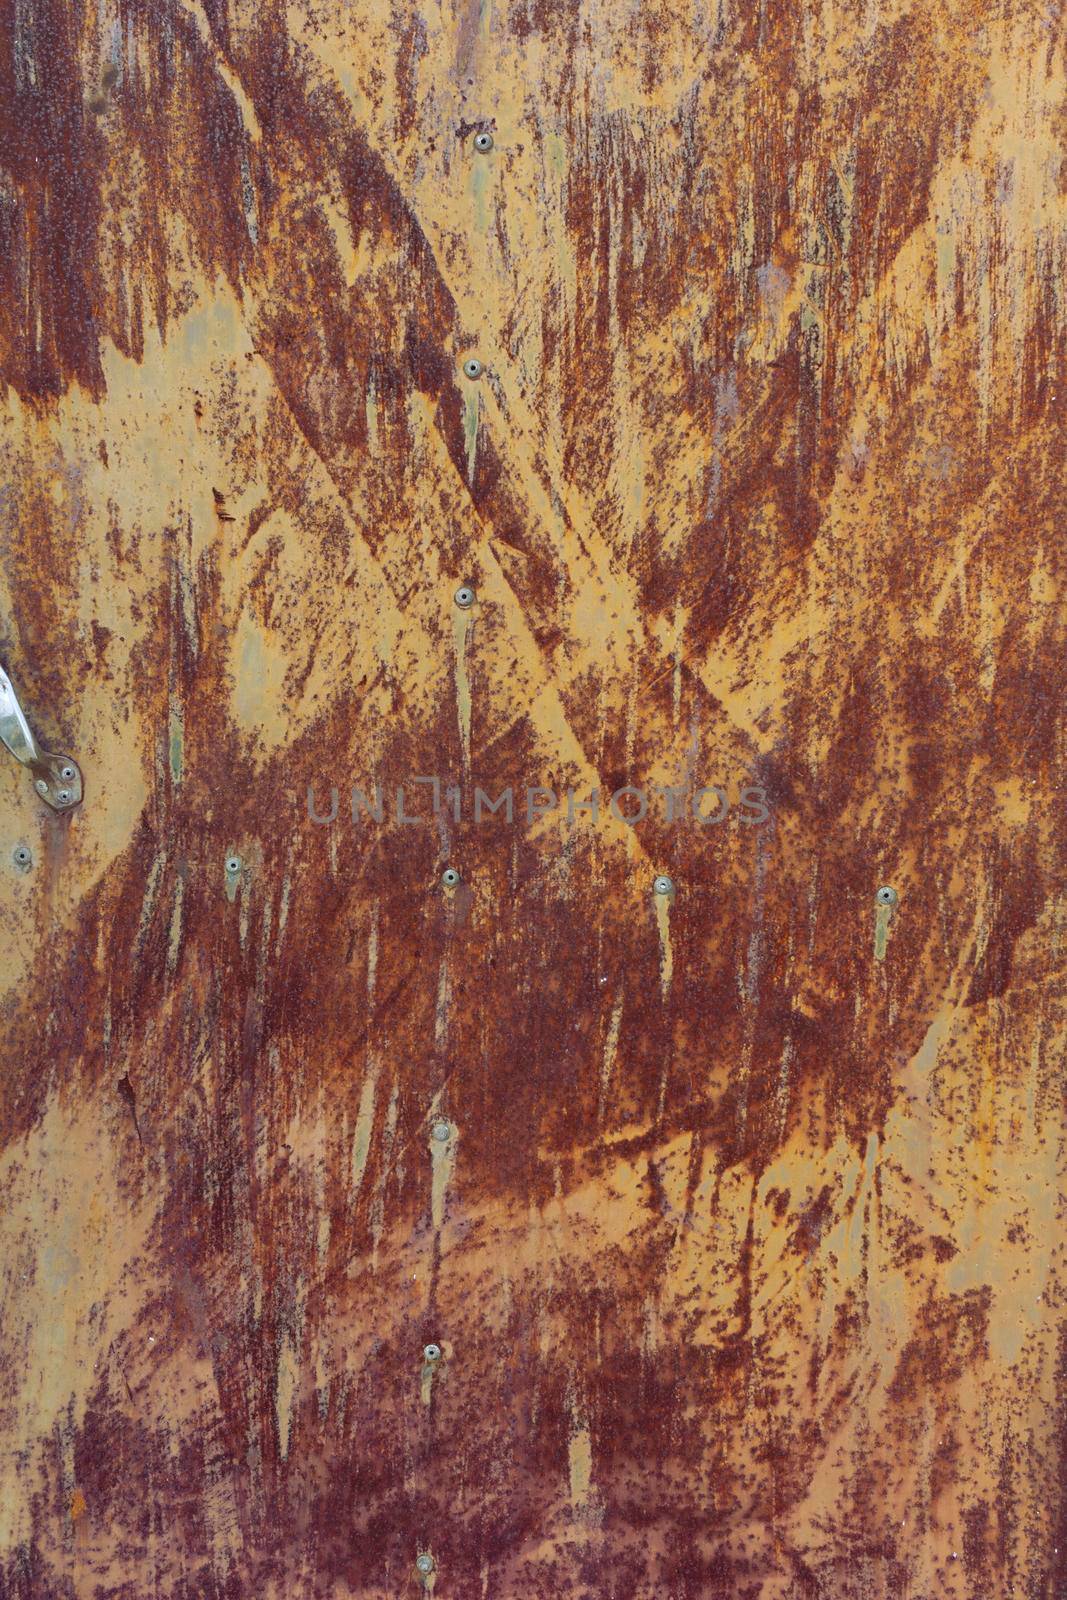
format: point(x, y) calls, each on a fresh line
point(339, 226)
point(580, 1465)
point(258, 699)
point(175, 743)
point(666, 953)
point(288, 1374)
point(471, 419)
point(174, 940)
point(611, 1046)
point(461, 626)
point(364, 1127)
point(442, 1167)
point(883, 916)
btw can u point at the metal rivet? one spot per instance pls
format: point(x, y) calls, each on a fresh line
point(432, 1352)
point(63, 797)
point(663, 884)
point(465, 597)
point(424, 1563)
point(442, 1131)
point(472, 367)
point(21, 856)
point(41, 786)
point(886, 896)
point(450, 877)
point(483, 142)
point(233, 863)
point(66, 772)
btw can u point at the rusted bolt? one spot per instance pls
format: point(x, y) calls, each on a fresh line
point(886, 896)
point(442, 1131)
point(21, 856)
point(483, 142)
point(450, 877)
point(424, 1564)
point(663, 884)
point(432, 1352)
point(472, 367)
point(464, 597)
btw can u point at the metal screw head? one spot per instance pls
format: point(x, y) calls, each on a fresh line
point(424, 1563)
point(21, 856)
point(663, 884)
point(63, 797)
point(66, 772)
point(432, 1352)
point(442, 1131)
point(886, 896)
point(450, 877)
point(233, 863)
point(472, 367)
point(464, 597)
point(483, 142)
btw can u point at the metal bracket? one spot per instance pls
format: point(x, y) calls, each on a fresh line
point(56, 778)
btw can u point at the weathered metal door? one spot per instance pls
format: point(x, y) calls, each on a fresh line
point(532, 1016)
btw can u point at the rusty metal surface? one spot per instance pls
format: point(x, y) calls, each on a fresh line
point(742, 1244)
